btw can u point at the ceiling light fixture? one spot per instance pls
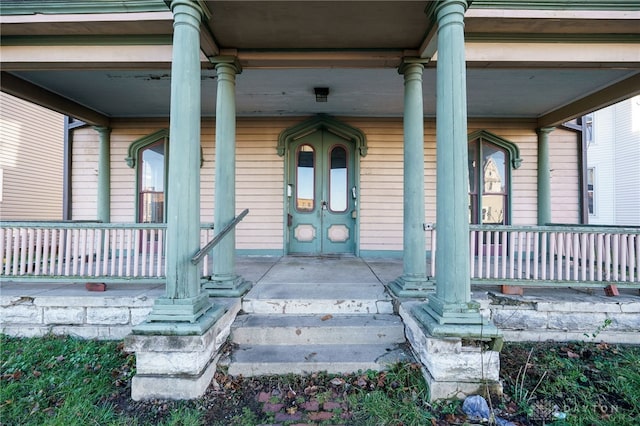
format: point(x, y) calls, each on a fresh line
point(321, 93)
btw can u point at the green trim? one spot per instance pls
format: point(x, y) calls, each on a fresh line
point(88, 40)
point(557, 4)
point(137, 145)
point(514, 151)
point(134, 150)
point(516, 161)
point(31, 7)
point(325, 122)
point(381, 254)
point(260, 252)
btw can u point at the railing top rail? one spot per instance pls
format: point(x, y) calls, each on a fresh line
point(558, 228)
point(197, 258)
point(89, 225)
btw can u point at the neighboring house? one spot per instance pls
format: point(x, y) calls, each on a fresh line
point(31, 161)
point(613, 158)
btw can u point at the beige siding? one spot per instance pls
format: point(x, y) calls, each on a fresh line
point(381, 179)
point(31, 161)
point(260, 176)
point(84, 174)
point(565, 177)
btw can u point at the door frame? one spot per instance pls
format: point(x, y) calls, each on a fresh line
point(338, 128)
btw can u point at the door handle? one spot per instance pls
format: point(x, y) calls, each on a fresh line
point(353, 193)
point(324, 205)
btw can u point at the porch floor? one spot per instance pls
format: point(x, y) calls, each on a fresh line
point(269, 270)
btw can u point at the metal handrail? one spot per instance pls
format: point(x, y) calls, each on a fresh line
point(197, 258)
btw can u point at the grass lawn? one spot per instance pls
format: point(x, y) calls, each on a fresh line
point(65, 381)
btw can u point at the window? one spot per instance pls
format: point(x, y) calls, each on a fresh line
point(338, 180)
point(305, 179)
point(148, 156)
point(490, 161)
point(151, 179)
point(591, 177)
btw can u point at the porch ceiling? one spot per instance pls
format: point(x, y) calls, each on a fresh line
point(353, 92)
point(518, 63)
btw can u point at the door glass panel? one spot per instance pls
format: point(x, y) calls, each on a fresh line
point(338, 180)
point(152, 184)
point(305, 179)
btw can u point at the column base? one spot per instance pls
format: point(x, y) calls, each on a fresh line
point(180, 317)
point(411, 287)
point(452, 366)
point(179, 367)
point(225, 286)
point(456, 320)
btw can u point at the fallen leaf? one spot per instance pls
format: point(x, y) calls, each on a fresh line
point(337, 381)
point(572, 355)
point(36, 373)
point(326, 317)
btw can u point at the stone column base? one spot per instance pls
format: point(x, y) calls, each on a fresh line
point(178, 367)
point(453, 367)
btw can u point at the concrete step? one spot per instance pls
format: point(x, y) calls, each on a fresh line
point(318, 298)
point(338, 329)
point(258, 360)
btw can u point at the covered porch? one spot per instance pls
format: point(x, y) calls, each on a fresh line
point(408, 62)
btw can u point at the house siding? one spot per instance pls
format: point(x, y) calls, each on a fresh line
point(31, 163)
point(260, 176)
point(614, 153)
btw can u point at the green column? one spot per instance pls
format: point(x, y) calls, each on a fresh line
point(224, 281)
point(184, 309)
point(544, 176)
point(104, 175)
point(451, 312)
point(413, 281)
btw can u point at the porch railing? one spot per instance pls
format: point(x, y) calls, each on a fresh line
point(581, 256)
point(86, 251)
point(532, 256)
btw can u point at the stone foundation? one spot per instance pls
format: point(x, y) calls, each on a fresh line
point(564, 315)
point(69, 309)
point(179, 367)
point(453, 368)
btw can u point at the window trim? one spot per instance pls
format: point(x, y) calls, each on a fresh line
point(135, 148)
point(514, 160)
point(133, 153)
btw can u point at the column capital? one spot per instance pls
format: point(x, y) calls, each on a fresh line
point(545, 130)
point(196, 9)
point(226, 61)
point(102, 129)
point(445, 7)
point(412, 63)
